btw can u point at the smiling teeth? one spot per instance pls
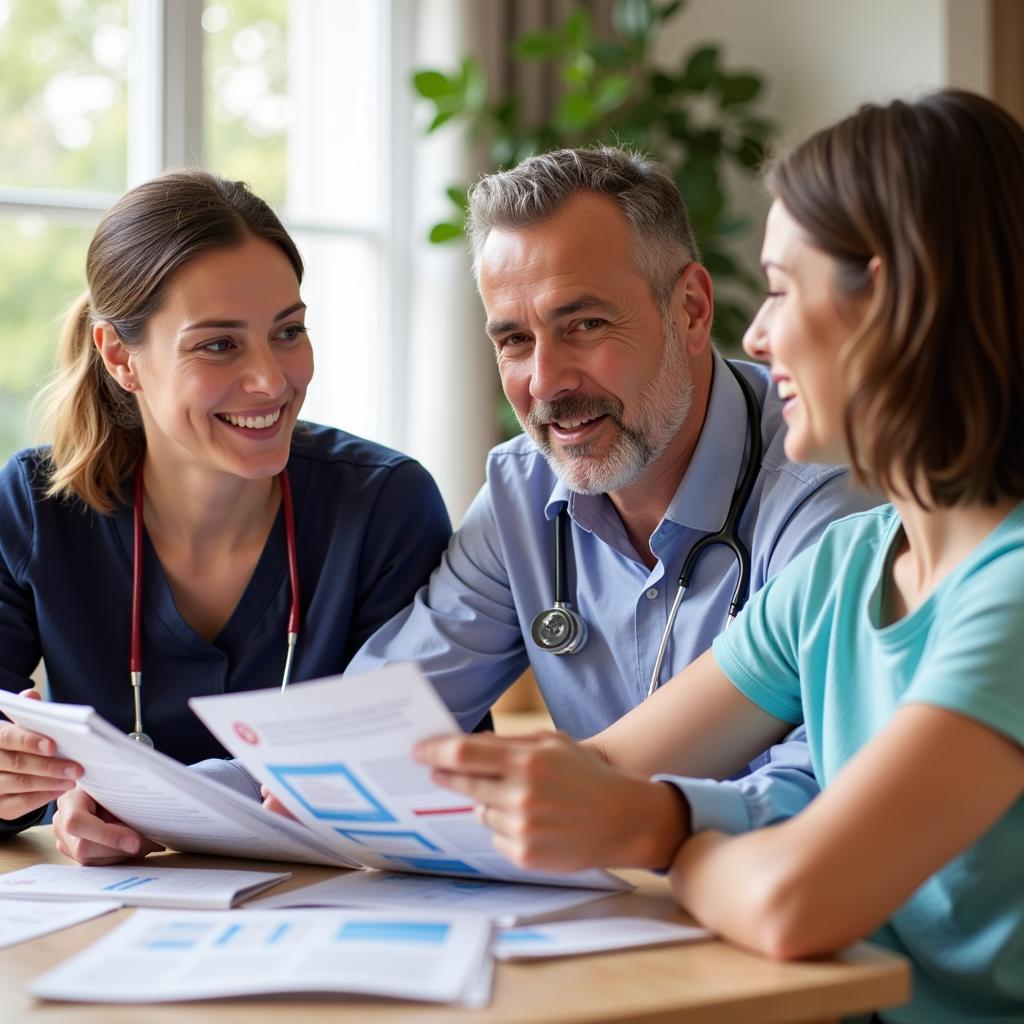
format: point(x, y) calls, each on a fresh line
point(787, 389)
point(252, 422)
point(569, 424)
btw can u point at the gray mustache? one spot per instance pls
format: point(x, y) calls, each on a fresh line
point(573, 408)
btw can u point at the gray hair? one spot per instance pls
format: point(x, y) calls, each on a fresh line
point(642, 188)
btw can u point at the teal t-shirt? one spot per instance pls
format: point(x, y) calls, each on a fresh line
point(809, 647)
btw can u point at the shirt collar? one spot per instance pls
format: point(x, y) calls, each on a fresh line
point(701, 501)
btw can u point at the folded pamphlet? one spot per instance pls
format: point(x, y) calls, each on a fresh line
point(338, 754)
point(161, 798)
point(139, 886)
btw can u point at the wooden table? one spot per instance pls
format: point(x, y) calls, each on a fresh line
point(710, 982)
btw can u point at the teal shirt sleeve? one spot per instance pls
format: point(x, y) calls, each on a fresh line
point(974, 661)
point(759, 652)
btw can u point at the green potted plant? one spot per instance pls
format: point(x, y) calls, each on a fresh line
point(696, 116)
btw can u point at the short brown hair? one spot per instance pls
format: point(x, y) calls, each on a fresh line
point(147, 235)
point(642, 189)
point(935, 375)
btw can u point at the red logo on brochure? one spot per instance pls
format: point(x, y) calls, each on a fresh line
point(246, 733)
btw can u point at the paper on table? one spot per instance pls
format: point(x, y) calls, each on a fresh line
point(161, 798)
point(337, 753)
point(590, 935)
point(502, 902)
point(139, 886)
point(21, 920)
point(163, 956)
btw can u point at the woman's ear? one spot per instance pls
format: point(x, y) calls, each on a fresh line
point(115, 355)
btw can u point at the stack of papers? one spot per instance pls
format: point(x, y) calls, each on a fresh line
point(21, 920)
point(164, 956)
point(141, 886)
point(504, 903)
point(595, 935)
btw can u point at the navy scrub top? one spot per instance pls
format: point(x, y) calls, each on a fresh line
point(370, 526)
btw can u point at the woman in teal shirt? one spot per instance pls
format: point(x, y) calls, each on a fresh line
point(894, 326)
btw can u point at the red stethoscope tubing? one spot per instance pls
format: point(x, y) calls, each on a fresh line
point(135, 659)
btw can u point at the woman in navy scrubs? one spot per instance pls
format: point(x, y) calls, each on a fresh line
point(189, 357)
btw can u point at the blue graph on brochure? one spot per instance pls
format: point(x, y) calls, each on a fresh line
point(386, 842)
point(316, 786)
point(433, 933)
point(433, 865)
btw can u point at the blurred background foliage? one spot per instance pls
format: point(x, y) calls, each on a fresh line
point(698, 117)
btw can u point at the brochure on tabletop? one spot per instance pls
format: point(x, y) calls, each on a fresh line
point(160, 956)
point(139, 886)
point(338, 754)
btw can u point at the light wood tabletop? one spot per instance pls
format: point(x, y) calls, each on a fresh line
point(711, 982)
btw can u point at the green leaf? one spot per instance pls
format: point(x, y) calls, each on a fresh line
point(662, 84)
point(613, 92)
point(576, 111)
point(538, 46)
point(578, 29)
point(699, 182)
point(731, 322)
point(432, 84)
point(735, 89)
point(474, 85)
point(445, 232)
point(669, 10)
point(608, 52)
point(701, 68)
point(457, 196)
point(750, 153)
point(633, 19)
point(439, 119)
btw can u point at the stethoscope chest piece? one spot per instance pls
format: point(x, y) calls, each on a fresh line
point(559, 630)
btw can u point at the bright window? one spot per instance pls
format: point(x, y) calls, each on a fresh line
point(299, 98)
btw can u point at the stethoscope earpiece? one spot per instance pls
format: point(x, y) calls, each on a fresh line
point(559, 630)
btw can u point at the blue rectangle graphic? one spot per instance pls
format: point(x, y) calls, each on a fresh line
point(291, 777)
point(127, 883)
point(435, 865)
point(394, 931)
point(375, 840)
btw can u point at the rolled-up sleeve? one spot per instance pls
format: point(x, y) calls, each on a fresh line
point(778, 790)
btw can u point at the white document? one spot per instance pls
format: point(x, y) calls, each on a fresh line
point(505, 903)
point(163, 956)
point(161, 798)
point(138, 886)
point(21, 920)
point(338, 754)
point(594, 935)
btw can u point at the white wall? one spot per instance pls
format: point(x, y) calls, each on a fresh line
point(822, 58)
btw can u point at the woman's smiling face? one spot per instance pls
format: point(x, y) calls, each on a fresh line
point(226, 362)
point(799, 331)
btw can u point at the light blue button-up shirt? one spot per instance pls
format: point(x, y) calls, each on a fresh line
point(469, 628)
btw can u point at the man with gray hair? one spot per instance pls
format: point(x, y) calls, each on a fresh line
point(639, 442)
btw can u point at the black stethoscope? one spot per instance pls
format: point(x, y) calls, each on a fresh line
point(560, 630)
point(135, 662)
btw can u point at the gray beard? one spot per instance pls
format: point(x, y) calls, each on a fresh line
point(662, 410)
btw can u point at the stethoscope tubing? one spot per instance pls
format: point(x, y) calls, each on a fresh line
point(135, 657)
point(727, 535)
